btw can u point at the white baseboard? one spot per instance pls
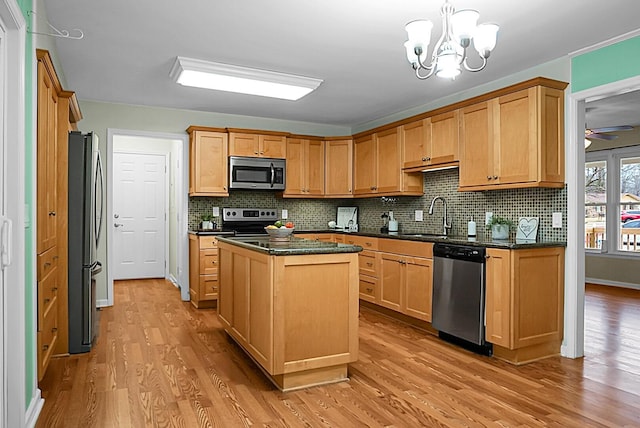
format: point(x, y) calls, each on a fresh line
point(34, 409)
point(612, 283)
point(102, 303)
point(173, 280)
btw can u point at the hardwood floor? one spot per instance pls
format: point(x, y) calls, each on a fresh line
point(160, 362)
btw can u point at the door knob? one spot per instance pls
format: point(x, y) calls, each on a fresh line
point(117, 224)
point(116, 216)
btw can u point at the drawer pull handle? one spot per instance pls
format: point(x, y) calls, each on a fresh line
point(54, 289)
point(45, 347)
point(46, 300)
point(55, 257)
point(52, 213)
point(369, 264)
point(370, 290)
point(368, 244)
point(54, 329)
point(47, 264)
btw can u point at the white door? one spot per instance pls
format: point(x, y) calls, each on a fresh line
point(4, 235)
point(139, 215)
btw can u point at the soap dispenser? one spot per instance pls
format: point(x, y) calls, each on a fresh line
point(471, 228)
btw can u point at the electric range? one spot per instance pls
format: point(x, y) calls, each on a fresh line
point(248, 221)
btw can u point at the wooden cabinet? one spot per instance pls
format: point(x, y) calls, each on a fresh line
point(368, 267)
point(257, 144)
point(431, 142)
point(297, 316)
point(377, 166)
point(524, 302)
point(338, 168)
point(208, 165)
point(203, 270)
point(305, 168)
point(325, 237)
point(406, 277)
point(515, 140)
point(48, 291)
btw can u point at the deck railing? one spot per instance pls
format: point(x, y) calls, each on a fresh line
point(629, 238)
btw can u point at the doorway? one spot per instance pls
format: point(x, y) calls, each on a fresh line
point(174, 148)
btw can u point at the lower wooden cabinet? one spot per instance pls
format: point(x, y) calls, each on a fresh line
point(48, 281)
point(524, 302)
point(203, 270)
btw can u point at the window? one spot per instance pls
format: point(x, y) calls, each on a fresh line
point(612, 185)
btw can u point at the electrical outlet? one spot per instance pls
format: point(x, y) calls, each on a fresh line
point(419, 215)
point(285, 214)
point(556, 220)
point(487, 217)
point(216, 212)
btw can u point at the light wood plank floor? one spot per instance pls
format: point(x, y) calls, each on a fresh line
point(161, 363)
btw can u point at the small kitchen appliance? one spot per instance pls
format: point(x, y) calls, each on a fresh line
point(256, 173)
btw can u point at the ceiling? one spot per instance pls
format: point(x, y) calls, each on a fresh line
point(355, 46)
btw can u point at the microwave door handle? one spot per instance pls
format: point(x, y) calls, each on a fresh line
point(273, 174)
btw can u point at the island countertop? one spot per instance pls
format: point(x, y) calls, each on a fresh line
point(294, 246)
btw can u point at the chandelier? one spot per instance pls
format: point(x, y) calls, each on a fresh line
point(450, 51)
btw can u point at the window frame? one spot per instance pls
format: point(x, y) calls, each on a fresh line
point(612, 158)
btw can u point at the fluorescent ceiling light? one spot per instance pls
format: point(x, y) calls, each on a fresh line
point(233, 78)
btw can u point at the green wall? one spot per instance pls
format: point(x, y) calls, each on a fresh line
point(608, 64)
point(29, 251)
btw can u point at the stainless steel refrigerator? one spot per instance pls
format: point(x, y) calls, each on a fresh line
point(85, 223)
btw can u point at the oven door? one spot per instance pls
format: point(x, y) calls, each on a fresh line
point(256, 173)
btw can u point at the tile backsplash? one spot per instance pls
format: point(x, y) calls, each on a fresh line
point(461, 206)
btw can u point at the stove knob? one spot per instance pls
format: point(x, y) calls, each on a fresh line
point(233, 213)
point(261, 213)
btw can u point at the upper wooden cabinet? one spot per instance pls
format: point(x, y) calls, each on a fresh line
point(430, 142)
point(514, 141)
point(378, 169)
point(262, 144)
point(305, 168)
point(208, 167)
point(338, 167)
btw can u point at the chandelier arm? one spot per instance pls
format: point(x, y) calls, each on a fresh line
point(466, 66)
point(431, 70)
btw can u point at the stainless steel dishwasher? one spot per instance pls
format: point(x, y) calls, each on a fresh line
point(459, 295)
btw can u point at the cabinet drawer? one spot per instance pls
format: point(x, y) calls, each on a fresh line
point(47, 261)
point(47, 295)
point(208, 242)
point(49, 330)
point(367, 243)
point(368, 263)
point(208, 262)
point(368, 288)
point(208, 287)
point(410, 248)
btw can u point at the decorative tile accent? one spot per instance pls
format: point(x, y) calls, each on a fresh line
point(461, 206)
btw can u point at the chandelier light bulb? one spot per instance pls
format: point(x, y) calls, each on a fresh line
point(449, 56)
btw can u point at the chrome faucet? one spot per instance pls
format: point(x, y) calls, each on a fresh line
point(445, 226)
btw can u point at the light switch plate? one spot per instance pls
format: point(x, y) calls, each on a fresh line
point(487, 217)
point(556, 220)
point(285, 214)
point(419, 215)
point(216, 212)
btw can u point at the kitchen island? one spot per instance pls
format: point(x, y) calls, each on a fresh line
point(292, 306)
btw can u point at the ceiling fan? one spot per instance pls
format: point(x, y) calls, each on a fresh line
point(601, 133)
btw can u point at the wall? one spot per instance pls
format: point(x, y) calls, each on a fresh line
point(590, 70)
point(316, 213)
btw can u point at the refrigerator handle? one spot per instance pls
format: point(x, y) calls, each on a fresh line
point(6, 233)
point(99, 175)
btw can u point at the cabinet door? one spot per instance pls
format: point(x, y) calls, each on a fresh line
point(418, 282)
point(476, 165)
point(391, 281)
point(208, 164)
point(444, 138)
point(338, 167)
point(364, 165)
point(416, 139)
point(225, 287)
point(388, 161)
point(46, 160)
point(515, 136)
point(295, 167)
point(315, 168)
point(244, 144)
point(498, 306)
point(273, 146)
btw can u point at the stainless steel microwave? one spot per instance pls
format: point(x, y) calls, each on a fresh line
point(256, 173)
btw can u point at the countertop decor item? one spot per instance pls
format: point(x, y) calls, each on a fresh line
point(279, 234)
point(527, 228)
point(499, 227)
point(206, 224)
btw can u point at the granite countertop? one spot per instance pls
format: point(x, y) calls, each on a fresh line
point(479, 241)
point(294, 246)
point(210, 232)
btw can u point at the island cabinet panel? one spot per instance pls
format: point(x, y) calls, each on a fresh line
point(338, 168)
point(208, 168)
point(295, 315)
point(524, 302)
point(203, 270)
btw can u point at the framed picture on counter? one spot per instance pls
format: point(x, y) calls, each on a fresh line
point(527, 229)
